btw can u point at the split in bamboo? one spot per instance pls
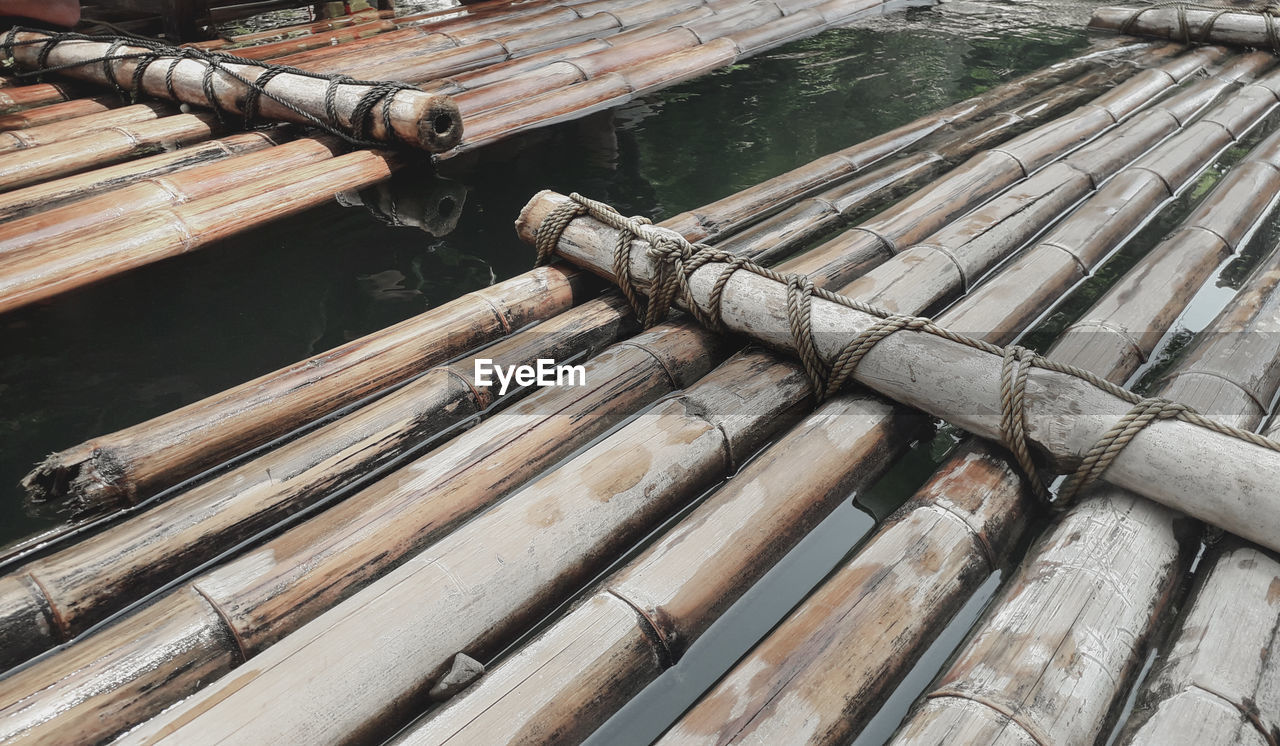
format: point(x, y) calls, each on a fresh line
point(428, 121)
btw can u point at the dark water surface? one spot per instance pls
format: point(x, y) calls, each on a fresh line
point(169, 334)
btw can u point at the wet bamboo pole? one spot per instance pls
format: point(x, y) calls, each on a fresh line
point(773, 393)
point(316, 41)
point(1218, 681)
point(45, 230)
point(316, 545)
point(25, 168)
point(131, 449)
point(842, 652)
point(1239, 27)
point(1105, 573)
point(684, 582)
point(420, 119)
point(313, 27)
point(49, 194)
point(21, 97)
point(81, 126)
point(59, 112)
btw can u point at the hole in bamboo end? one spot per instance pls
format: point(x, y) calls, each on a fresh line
point(446, 207)
point(439, 125)
point(442, 123)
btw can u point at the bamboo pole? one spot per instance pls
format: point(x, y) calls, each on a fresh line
point(19, 98)
point(20, 169)
point(126, 448)
point(313, 27)
point(316, 41)
point(421, 119)
point(58, 112)
point(1217, 682)
point(24, 201)
point(1104, 573)
point(44, 231)
point(765, 394)
point(1236, 26)
point(81, 126)
point(681, 584)
point(820, 674)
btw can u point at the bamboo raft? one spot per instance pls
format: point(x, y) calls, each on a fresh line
point(376, 544)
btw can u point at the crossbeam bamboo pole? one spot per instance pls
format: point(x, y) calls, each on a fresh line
point(420, 119)
point(681, 584)
point(847, 646)
point(48, 194)
point(1236, 26)
point(25, 168)
point(59, 112)
point(773, 391)
point(1065, 415)
point(1218, 681)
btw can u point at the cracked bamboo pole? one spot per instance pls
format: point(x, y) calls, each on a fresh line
point(324, 560)
point(1218, 682)
point(681, 593)
point(1239, 27)
point(1103, 575)
point(49, 194)
point(424, 120)
point(491, 618)
point(821, 674)
point(145, 453)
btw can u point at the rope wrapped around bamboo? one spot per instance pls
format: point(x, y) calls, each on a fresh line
point(363, 112)
point(1079, 421)
point(1191, 22)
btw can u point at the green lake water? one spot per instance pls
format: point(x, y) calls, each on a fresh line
point(140, 345)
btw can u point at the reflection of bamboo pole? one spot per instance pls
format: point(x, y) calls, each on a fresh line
point(425, 120)
point(765, 392)
point(816, 663)
point(684, 581)
point(49, 194)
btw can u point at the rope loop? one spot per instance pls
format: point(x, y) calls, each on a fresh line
point(378, 98)
point(675, 259)
point(1269, 12)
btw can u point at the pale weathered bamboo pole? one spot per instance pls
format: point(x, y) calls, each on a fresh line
point(44, 230)
point(59, 112)
point(479, 465)
point(494, 616)
point(73, 471)
point(1218, 681)
point(24, 168)
point(1104, 573)
point(821, 674)
point(424, 120)
point(81, 126)
point(50, 194)
point(1237, 26)
point(681, 584)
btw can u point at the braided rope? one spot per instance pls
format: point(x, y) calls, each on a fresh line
point(676, 259)
point(380, 93)
point(1269, 13)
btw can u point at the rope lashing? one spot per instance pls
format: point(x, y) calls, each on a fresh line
point(676, 259)
point(1270, 17)
point(378, 97)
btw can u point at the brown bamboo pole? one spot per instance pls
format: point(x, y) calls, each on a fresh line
point(1104, 573)
point(420, 119)
point(59, 475)
point(59, 112)
point(81, 126)
point(683, 583)
point(24, 168)
point(44, 230)
point(822, 672)
point(18, 98)
point(1235, 26)
point(1218, 682)
point(313, 27)
point(650, 491)
point(49, 194)
point(316, 41)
